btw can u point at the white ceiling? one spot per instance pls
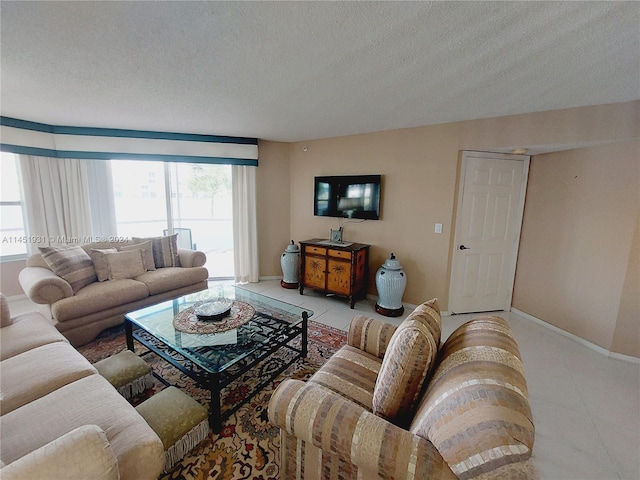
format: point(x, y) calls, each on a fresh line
point(292, 71)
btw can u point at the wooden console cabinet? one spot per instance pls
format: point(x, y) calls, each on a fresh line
point(335, 269)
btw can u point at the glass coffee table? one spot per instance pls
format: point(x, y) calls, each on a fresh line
point(214, 360)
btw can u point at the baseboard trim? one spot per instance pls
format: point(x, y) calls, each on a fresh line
point(575, 338)
point(15, 298)
point(624, 358)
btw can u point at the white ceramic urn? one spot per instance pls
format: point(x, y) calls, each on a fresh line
point(289, 263)
point(390, 282)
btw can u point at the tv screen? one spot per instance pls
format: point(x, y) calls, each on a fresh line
point(347, 196)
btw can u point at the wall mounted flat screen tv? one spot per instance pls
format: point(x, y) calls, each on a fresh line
point(347, 196)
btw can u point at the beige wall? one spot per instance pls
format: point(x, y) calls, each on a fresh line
point(626, 338)
point(272, 184)
point(420, 168)
point(578, 227)
point(9, 277)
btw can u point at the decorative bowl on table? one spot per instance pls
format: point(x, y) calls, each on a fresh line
point(213, 310)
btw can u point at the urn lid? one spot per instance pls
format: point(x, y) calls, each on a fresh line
point(392, 263)
point(292, 248)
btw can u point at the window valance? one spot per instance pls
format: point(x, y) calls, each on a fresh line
point(32, 138)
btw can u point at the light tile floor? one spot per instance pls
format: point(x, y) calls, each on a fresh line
point(586, 406)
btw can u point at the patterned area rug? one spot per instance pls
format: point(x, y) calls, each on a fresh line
point(248, 445)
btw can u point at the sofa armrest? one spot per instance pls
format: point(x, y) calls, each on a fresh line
point(43, 286)
point(340, 427)
point(370, 335)
point(191, 258)
point(78, 455)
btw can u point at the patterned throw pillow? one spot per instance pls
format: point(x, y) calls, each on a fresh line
point(123, 265)
point(475, 410)
point(72, 264)
point(100, 262)
point(407, 363)
point(165, 250)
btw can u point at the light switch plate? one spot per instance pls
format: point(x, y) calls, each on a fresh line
point(438, 228)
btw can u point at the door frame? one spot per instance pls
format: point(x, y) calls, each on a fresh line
point(460, 196)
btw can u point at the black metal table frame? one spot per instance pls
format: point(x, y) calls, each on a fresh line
point(215, 382)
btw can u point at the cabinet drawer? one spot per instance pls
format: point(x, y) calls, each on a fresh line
point(340, 254)
point(316, 250)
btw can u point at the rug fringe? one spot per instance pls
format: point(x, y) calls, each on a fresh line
point(137, 386)
point(178, 450)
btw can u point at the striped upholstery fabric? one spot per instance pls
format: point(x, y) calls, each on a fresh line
point(370, 335)
point(164, 249)
point(411, 354)
point(72, 264)
point(351, 373)
point(325, 436)
point(475, 410)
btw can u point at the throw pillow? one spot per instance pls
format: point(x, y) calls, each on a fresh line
point(124, 265)
point(407, 363)
point(72, 264)
point(100, 262)
point(147, 253)
point(165, 250)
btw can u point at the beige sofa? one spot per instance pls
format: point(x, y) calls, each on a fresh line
point(394, 403)
point(80, 312)
point(59, 418)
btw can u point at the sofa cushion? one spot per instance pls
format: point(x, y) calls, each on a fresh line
point(71, 263)
point(411, 354)
point(165, 250)
point(147, 253)
point(39, 371)
point(126, 264)
point(29, 330)
point(81, 454)
point(350, 372)
point(5, 314)
point(98, 297)
point(475, 410)
point(91, 400)
point(172, 278)
point(99, 259)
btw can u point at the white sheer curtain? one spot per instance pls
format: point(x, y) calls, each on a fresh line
point(56, 200)
point(101, 198)
point(245, 229)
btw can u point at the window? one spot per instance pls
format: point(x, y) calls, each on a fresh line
point(138, 214)
point(193, 199)
point(12, 231)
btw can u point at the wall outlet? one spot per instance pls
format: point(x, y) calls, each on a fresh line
point(438, 228)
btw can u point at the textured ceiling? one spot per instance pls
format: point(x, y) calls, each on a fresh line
point(293, 71)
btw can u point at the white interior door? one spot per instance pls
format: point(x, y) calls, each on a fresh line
point(489, 218)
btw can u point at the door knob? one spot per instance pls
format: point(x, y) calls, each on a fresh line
point(462, 247)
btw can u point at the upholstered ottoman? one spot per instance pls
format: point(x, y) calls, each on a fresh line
point(126, 371)
point(179, 420)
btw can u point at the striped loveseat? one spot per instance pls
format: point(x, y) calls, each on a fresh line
point(396, 404)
